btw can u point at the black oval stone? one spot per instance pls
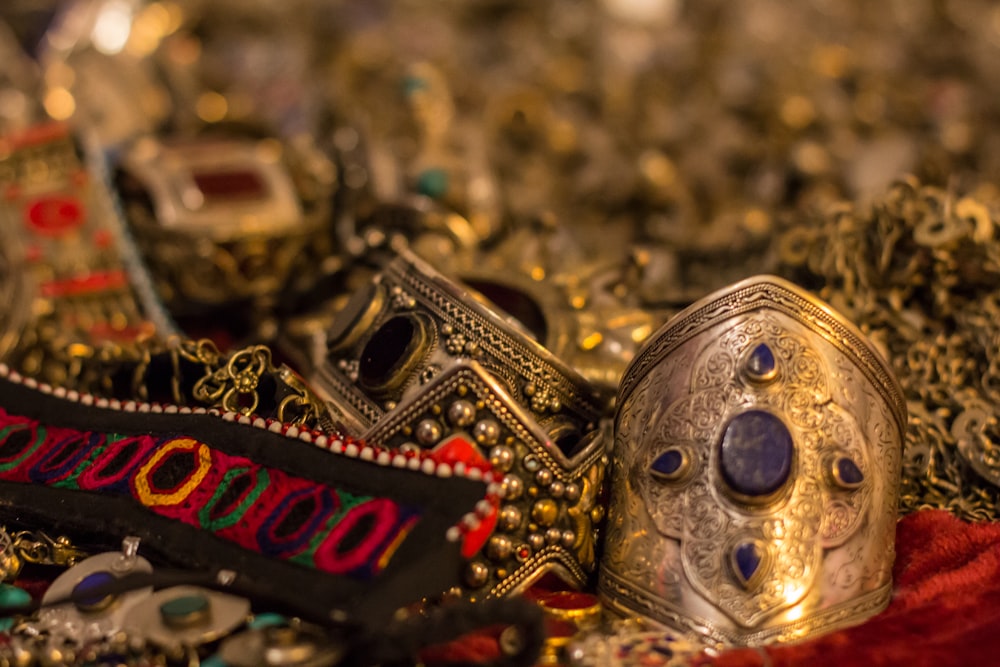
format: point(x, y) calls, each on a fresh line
point(388, 350)
point(755, 456)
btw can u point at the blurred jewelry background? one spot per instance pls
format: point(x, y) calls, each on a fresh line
point(591, 167)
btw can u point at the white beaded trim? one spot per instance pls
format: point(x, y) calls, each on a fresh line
point(423, 462)
point(383, 457)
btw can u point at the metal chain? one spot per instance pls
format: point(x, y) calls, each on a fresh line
point(919, 272)
point(35, 547)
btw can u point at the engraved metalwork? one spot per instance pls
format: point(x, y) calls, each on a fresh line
point(755, 541)
point(461, 325)
point(221, 220)
point(540, 527)
point(86, 620)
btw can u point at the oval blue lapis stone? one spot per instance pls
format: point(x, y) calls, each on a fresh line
point(668, 464)
point(848, 473)
point(760, 363)
point(85, 592)
point(755, 456)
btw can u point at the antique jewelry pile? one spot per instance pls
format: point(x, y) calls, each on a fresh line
point(520, 237)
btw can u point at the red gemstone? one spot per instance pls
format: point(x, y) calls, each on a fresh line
point(474, 539)
point(523, 553)
point(224, 186)
point(54, 215)
point(94, 282)
point(567, 600)
point(457, 449)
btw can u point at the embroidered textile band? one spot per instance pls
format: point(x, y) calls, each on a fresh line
point(365, 530)
point(755, 471)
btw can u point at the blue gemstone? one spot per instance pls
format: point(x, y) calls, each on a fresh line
point(761, 363)
point(668, 463)
point(747, 559)
point(755, 456)
point(83, 592)
point(848, 472)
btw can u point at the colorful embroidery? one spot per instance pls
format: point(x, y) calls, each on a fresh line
point(262, 509)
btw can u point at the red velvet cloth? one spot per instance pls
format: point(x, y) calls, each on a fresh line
point(945, 610)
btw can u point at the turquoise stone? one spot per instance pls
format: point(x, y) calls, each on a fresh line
point(755, 455)
point(761, 363)
point(185, 610)
point(267, 620)
point(747, 559)
point(12, 597)
point(433, 182)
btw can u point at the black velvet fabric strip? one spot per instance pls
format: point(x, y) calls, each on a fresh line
point(424, 565)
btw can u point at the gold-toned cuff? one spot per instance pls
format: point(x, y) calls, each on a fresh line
point(550, 500)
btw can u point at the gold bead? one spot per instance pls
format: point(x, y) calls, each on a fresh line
point(545, 512)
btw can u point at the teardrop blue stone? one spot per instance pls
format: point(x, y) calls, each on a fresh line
point(747, 559)
point(668, 463)
point(848, 472)
point(761, 362)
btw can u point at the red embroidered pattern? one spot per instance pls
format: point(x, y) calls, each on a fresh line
point(262, 509)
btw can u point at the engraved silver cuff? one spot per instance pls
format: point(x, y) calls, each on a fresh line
point(410, 322)
point(756, 471)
